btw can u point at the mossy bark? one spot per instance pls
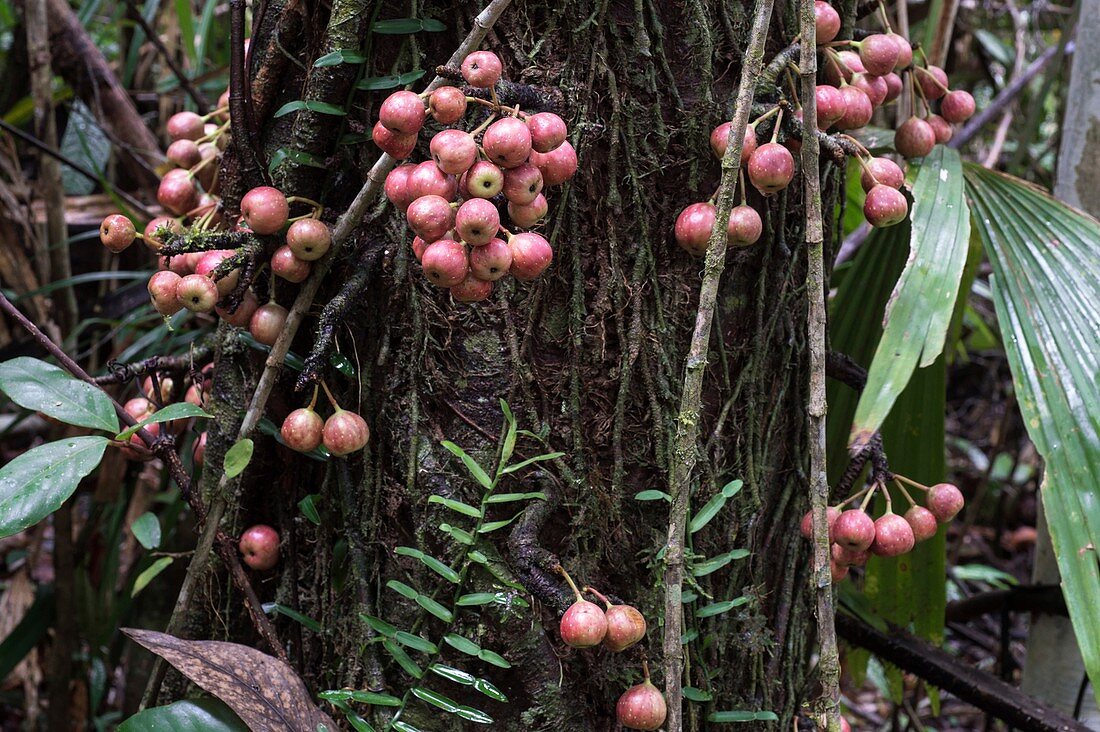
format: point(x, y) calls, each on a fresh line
point(591, 358)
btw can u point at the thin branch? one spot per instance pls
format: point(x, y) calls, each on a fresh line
point(200, 100)
point(239, 89)
point(341, 232)
point(687, 425)
point(829, 659)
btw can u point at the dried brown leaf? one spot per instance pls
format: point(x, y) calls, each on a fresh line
point(265, 693)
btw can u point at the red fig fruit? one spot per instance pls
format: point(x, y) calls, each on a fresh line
point(854, 530)
point(893, 536)
point(945, 501)
point(642, 707)
point(260, 547)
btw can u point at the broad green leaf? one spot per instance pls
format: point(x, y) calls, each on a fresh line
point(489, 690)
point(451, 673)
point(238, 457)
point(494, 658)
point(734, 716)
point(731, 489)
point(149, 574)
point(43, 387)
point(402, 726)
point(324, 108)
point(403, 660)
point(490, 526)
point(296, 106)
point(696, 695)
point(474, 715)
point(180, 410)
point(509, 435)
point(1046, 291)
point(920, 309)
point(377, 83)
point(380, 626)
point(460, 535)
point(702, 569)
point(456, 506)
point(402, 589)
point(529, 461)
point(483, 598)
point(512, 497)
point(146, 529)
point(430, 562)
point(289, 612)
point(707, 512)
point(415, 642)
point(35, 484)
point(194, 715)
point(476, 470)
point(653, 495)
point(342, 56)
point(435, 699)
point(464, 645)
point(401, 26)
point(717, 608)
point(308, 507)
point(435, 608)
point(373, 698)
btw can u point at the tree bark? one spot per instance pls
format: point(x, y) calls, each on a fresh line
point(591, 358)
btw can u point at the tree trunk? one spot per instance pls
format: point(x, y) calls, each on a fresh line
point(590, 357)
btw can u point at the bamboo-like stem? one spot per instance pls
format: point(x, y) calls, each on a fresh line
point(829, 659)
point(687, 424)
point(298, 311)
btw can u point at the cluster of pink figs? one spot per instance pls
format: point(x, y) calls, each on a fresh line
point(617, 627)
point(343, 433)
point(189, 193)
point(451, 201)
point(855, 536)
point(864, 76)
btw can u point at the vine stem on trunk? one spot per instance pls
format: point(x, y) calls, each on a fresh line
point(687, 424)
point(298, 311)
point(828, 660)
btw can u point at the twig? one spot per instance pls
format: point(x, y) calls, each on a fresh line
point(687, 425)
point(164, 447)
point(200, 100)
point(120, 373)
point(829, 659)
point(298, 311)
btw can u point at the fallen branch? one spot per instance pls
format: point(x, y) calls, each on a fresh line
point(685, 449)
point(940, 668)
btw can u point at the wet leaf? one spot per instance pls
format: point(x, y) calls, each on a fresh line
point(146, 529)
point(35, 484)
point(43, 387)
